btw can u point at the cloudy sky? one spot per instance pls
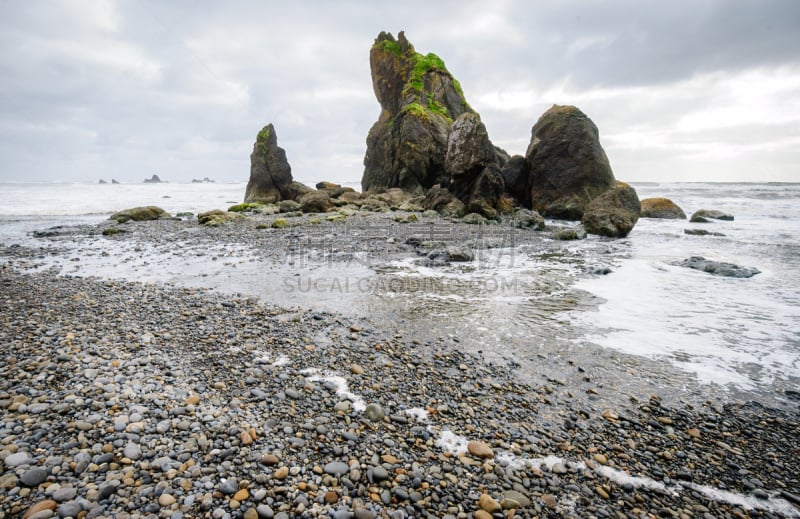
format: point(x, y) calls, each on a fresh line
point(685, 90)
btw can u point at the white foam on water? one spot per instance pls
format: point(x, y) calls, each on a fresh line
point(420, 414)
point(451, 442)
point(340, 384)
point(282, 360)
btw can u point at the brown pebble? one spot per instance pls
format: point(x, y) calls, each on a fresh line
point(480, 449)
point(601, 459)
point(193, 400)
point(281, 473)
point(166, 500)
point(694, 433)
point(241, 495)
point(602, 492)
point(246, 438)
point(251, 514)
point(47, 504)
point(269, 459)
point(483, 514)
point(489, 504)
point(331, 497)
point(549, 500)
point(355, 369)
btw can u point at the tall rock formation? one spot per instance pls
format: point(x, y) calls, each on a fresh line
point(419, 100)
point(270, 172)
point(566, 166)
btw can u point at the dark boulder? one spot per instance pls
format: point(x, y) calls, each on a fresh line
point(515, 180)
point(661, 208)
point(701, 232)
point(315, 202)
point(472, 166)
point(706, 215)
point(718, 268)
point(270, 172)
point(613, 213)
point(444, 202)
point(528, 219)
point(566, 164)
point(139, 214)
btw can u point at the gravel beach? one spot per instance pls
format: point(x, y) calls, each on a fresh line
point(124, 399)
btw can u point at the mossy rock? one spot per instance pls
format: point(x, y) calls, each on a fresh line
point(184, 214)
point(244, 207)
point(314, 221)
point(139, 214)
point(336, 218)
point(217, 217)
point(474, 219)
point(661, 208)
point(262, 226)
point(111, 231)
point(279, 223)
point(288, 206)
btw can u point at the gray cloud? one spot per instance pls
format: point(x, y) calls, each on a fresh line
point(126, 89)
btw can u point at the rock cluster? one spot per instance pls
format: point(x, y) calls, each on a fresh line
point(428, 140)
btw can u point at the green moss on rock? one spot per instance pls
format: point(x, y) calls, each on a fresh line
point(280, 223)
point(243, 208)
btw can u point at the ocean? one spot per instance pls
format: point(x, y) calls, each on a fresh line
point(623, 307)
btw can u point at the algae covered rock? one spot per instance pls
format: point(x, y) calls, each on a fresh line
point(614, 213)
point(419, 100)
point(270, 172)
point(567, 167)
point(139, 214)
point(661, 208)
point(217, 217)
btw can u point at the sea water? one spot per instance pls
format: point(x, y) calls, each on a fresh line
point(622, 305)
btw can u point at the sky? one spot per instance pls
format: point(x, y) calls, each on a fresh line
point(685, 90)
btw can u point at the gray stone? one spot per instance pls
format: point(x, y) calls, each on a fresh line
point(65, 494)
point(228, 486)
point(132, 451)
point(33, 477)
point(719, 268)
point(69, 509)
point(374, 412)
point(337, 468)
point(17, 459)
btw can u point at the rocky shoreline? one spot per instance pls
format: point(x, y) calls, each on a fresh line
point(132, 400)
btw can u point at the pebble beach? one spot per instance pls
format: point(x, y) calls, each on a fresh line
point(132, 400)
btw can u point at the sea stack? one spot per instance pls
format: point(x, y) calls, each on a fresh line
point(270, 172)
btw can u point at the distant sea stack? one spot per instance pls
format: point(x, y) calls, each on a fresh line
point(153, 180)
